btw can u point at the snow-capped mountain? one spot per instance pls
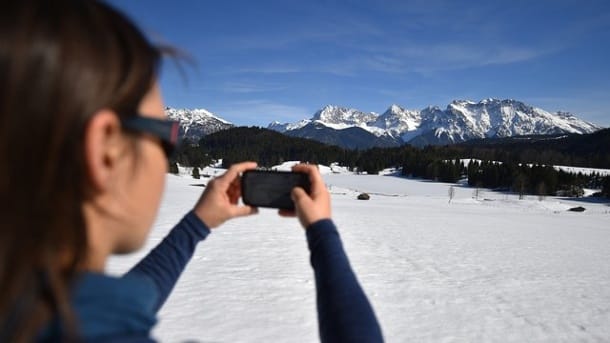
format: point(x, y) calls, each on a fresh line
point(462, 120)
point(196, 123)
point(397, 120)
point(346, 127)
point(334, 117)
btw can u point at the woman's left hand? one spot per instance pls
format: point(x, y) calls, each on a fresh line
point(219, 201)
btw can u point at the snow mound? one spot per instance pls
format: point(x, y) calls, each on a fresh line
point(324, 170)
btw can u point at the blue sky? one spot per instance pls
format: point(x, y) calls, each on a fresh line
point(265, 60)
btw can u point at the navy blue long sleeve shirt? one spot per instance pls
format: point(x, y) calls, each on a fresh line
point(344, 312)
point(125, 308)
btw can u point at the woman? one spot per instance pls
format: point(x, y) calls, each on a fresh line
point(83, 148)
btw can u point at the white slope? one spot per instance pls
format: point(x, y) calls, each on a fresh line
point(397, 120)
point(196, 123)
point(335, 115)
point(504, 118)
point(193, 115)
point(567, 169)
point(492, 269)
point(334, 168)
point(584, 171)
point(277, 126)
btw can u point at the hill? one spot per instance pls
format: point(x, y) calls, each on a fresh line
point(267, 147)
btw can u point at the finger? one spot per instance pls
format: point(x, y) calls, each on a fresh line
point(237, 186)
point(302, 167)
point(233, 172)
point(311, 169)
point(299, 196)
point(233, 199)
point(234, 192)
point(287, 213)
point(317, 183)
point(245, 210)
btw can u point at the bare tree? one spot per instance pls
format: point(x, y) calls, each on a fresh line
point(520, 185)
point(477, 191)
point(451, 193)
point(541, 190)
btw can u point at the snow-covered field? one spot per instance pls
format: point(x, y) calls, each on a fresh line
point(486, 269)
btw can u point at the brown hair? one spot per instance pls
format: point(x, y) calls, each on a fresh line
point(60, 62)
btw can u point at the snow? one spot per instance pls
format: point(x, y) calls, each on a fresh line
point(567, 169)
point(584, 171)
point(334, 168)
point(462, 120)
point(486, 269)
point(193, 115)
point(298, 125)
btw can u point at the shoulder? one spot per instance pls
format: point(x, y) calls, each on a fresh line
point(108, 306)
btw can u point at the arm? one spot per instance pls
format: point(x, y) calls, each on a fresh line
point(344, 312)
point(164, 264)
point(218, 203)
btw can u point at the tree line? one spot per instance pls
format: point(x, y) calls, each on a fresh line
point(515, 167)
point(531, 179)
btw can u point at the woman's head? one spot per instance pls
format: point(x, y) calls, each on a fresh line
point(69, 71)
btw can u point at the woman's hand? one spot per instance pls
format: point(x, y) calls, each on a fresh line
point(218, 203)
point(312, 207)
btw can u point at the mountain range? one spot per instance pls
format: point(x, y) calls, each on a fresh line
point(460, 121)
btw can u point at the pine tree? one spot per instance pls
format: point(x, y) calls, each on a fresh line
point(196, 174)
point(173, 168)
point(606, 187)
point(541, 190)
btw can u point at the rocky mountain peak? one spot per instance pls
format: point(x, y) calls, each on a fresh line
point(461, 120)
point(196, 123)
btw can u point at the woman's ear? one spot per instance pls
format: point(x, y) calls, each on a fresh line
point(103, 144)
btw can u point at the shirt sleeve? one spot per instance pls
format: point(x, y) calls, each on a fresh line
point(344, 312)
point(164, 264)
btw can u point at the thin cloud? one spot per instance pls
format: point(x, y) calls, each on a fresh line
point(266, 69)
point(249, 87)
point(338, 32)
point(426, 59)
point(455, 57)
point(261, 112)
point(588, 104)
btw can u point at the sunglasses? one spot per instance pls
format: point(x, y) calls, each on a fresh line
point(165, 130)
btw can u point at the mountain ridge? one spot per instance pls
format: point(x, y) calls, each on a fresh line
point(196, 123)
point(460, 121)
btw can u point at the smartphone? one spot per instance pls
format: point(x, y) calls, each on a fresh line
point(266, 188)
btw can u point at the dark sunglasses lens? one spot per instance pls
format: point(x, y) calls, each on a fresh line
point(166, 131)
point(169, 146)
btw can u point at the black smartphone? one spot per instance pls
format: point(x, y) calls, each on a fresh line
point(266, 188)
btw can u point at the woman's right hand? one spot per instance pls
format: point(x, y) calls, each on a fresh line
point(219, 201)
point(310, 208)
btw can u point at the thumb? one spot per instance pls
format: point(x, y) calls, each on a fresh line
point(242, 211)
point(299, 196)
